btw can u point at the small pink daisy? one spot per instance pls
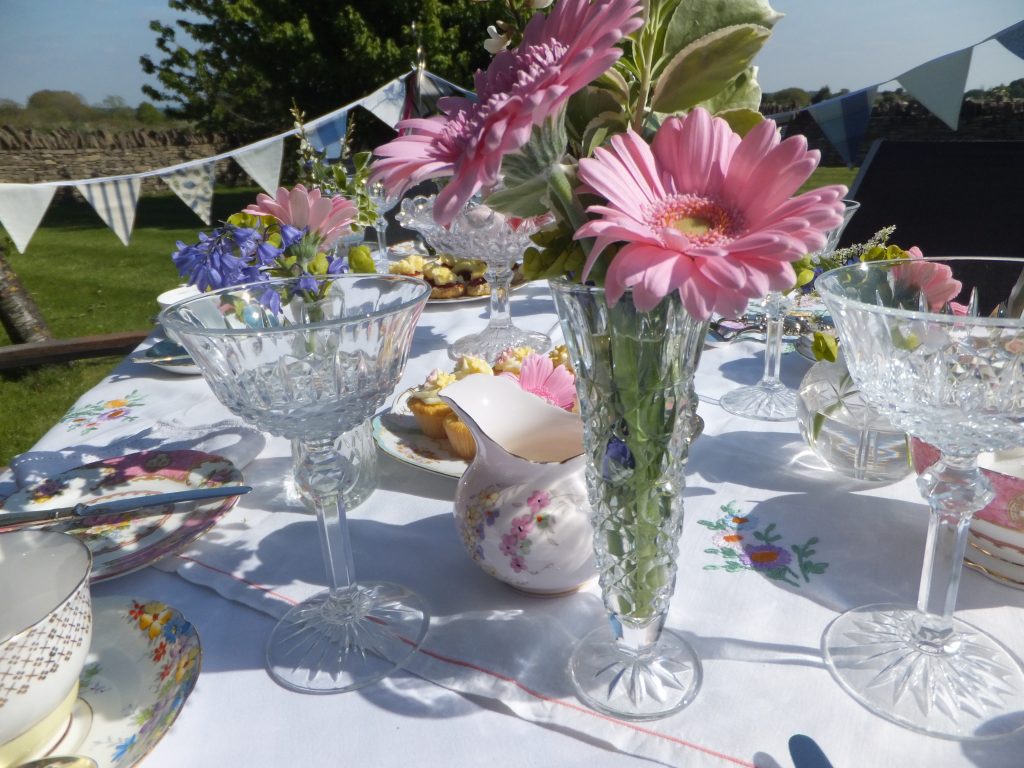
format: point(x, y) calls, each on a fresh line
point(329, 217)
point(558, 56)
point(932, 279)
point(705, 213)
point(539, 376)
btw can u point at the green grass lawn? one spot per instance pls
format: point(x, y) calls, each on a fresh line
point(85, 282)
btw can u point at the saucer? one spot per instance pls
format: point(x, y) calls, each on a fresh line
point(143, 662)
point(120, 543)
point(169, 356)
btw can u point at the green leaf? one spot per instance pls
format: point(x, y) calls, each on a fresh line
point(526, 172)
point(741, 121)
point(825, 346)
point(692, 19)
point(742, 93)
point(588, 104)
point(706, 66)
point(600, 129)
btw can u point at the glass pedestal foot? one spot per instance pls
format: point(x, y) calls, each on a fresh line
point(619, 681)
point(762, 402)
point(332, 645)
point(491, 342)
point(968, 688)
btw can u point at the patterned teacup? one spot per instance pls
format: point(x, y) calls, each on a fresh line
point(45, 630)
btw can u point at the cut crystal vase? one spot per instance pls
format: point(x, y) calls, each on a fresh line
point(634, 377)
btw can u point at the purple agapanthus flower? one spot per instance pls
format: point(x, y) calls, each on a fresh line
point(214, 262)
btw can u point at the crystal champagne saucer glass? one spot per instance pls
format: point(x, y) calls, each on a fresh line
point(309, 364)
point(479, 232)
point(957, 382)
point(770, 399)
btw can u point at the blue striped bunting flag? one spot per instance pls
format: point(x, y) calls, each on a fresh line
point(844, 120)
point(115, 202)
point(1012, 39)
point(327, 134)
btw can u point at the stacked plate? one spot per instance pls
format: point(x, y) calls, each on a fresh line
point(996, 536)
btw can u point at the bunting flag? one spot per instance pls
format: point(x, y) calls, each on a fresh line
point(194, 185)
point(115, 201)
point(21, 209)
point(262, 162)
point(387, 101)
point(327, 133)
point(844, 120)
point(423, 90)
point(939, 85)
point(1012, 39)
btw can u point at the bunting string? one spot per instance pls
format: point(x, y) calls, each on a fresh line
point(937, 84)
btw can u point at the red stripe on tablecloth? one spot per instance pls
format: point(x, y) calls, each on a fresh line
point(506, 679)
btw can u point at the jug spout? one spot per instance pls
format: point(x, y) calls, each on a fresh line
point(497, 411)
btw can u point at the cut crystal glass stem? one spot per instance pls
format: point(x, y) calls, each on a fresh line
point(319, 476)
point(955, 489)
point(773, 342)
point(769, 399)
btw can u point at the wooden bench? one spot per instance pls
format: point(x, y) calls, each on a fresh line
point(64, 350)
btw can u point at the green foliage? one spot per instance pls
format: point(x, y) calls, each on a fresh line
point(239, 68)
point(64, 109)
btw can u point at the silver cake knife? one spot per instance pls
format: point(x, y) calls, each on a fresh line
point(143, 505)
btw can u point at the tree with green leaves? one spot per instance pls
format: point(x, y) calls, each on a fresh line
point(240, 64)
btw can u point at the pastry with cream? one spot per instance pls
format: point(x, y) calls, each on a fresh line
point(444, 283)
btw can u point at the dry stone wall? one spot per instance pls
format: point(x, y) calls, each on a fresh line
point(31, 156)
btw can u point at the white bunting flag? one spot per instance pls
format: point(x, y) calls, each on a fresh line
point(21, 209)
point(387, 101)
point(115, 202)
point(194, 185)
point(939, 85)
point(263, 163)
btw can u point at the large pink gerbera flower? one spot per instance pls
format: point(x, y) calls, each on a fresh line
point(328, 217)
point(541, 377)
point(705, 213)
point(558, 55)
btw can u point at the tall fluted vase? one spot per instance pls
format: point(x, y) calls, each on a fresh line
point(634, 377)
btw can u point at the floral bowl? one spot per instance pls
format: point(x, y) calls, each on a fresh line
point(45, 629)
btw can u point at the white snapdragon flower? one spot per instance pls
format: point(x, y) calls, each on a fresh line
point(496, 41)
point(538, 4)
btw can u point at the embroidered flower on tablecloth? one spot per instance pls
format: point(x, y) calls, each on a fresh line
point(743, 546)
point(89, 418)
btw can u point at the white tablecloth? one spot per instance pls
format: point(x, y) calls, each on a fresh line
point(489, 686)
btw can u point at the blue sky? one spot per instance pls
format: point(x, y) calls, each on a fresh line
point(92, 47)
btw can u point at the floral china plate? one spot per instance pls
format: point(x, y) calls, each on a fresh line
point(398, 435)
point(143, 662)
point(119, 544)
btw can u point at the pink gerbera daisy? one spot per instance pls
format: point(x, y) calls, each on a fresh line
point(328, 217)
point(539, 376)
point(933, 280)
point(559, 55)
point(705, 213)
